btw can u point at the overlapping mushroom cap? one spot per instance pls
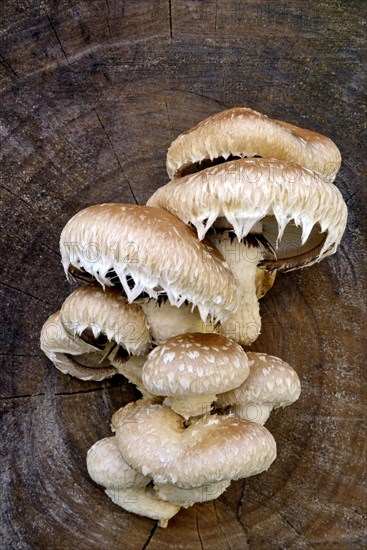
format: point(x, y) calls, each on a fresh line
point(258, 212)
point(72, 355)
point(148, 250)
point(106, 312)
point(125, 486)
point(271, 384)
point(242, 132)
point(191, 369)
point(154, 441)
point(91, 327)
point(302, 215)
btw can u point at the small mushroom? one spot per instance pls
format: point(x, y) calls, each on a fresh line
point(188, 497)
point(154, 441)
point(71, 355)
point(125, 486)
point(93, 327)
point(148, 251)
point(242, 132)
point(191, 369)
point(271, 384)
point(259, 213)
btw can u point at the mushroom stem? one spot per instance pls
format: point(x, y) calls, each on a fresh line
point(243, 258)
point(188, 406)
point(255, 412)
point(166, 320)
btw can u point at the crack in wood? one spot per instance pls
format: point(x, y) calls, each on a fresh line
point(108, 18)
point(58, 394)
point(168, 115)
point(216, 15)
point(26, 293)
point(116, 156)
point(170, 20)
point(152, 531)
point(198, 532)
point(6, 62)
point(351, 196)
point(55, 32)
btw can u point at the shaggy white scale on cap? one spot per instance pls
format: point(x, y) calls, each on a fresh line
point(154, 441)
point(156, 250)
point(70, 337)
point(282, 196)
point(125, 486)
point(72, 355)
point(191, 369)
point(242, 132)
point(270, 206)
point(271, 384)
point(106, 312)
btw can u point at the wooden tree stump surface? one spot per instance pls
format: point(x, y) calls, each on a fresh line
point(93, 92)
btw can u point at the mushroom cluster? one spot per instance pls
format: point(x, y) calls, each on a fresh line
point(171, 296)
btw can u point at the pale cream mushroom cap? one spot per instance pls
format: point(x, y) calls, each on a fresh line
point(302, 215)
point(154, 441)
point(242, 132)
point(188, 497)
point(271, 384)
point(144, 502)
point(72, 355)
point(191, 369)
point(125, 486)
point(107, 467)
point(106, 312)
point(152, 248)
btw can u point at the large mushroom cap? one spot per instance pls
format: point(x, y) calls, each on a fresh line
point(152, 250)
point(106, 312)
point(271, 384)
point(242, 132)
point(303, 216)
point(153, 440)
point(192, 368)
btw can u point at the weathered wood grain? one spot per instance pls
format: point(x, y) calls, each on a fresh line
point(92, 94)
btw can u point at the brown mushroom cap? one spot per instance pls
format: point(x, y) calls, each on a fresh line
point(242, 132)
point(152, 248)
point(106, 312)
point(153, 440)
point(303, 216)
point(271, 384)
point(191, 369)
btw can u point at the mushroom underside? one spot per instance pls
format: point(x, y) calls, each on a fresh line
point(286, 254)
point(204, 163)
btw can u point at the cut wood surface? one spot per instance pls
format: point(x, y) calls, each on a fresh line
point(93, 92)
